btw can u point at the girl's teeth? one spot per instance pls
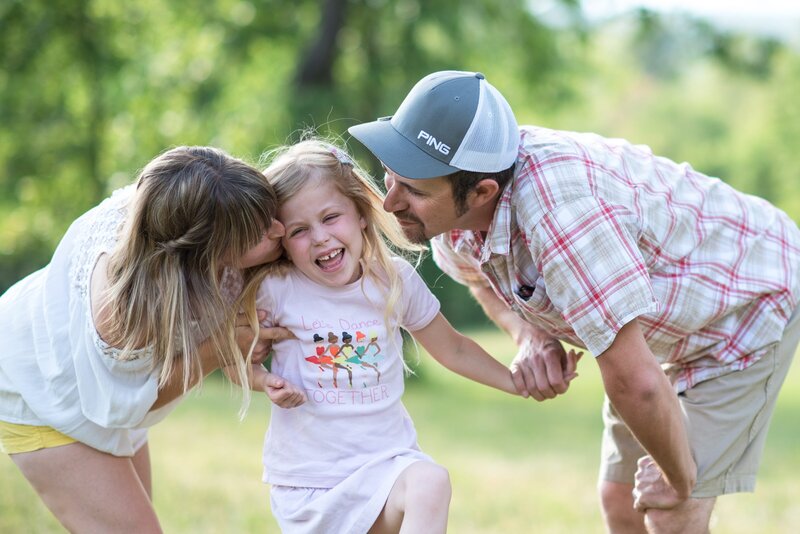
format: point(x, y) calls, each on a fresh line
point(331, 255)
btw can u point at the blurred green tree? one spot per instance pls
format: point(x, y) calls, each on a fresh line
point(90, 90)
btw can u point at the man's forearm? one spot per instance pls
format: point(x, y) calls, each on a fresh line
point(654, 417)
point(504, 317)
point(645, 400)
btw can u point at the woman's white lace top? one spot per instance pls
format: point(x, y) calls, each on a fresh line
point(55, 370)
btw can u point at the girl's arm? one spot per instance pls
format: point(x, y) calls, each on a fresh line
point(280, 391)
point(462, 355)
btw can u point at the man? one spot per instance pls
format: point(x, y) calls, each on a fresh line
point(683, 288)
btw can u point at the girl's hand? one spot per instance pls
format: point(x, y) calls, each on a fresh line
point(543, 369)
point(281, 392)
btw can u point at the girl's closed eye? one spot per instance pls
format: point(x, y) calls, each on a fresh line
point(297, 231)
point(330, 218)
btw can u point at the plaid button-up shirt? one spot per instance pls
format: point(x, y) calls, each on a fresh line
point(594, 232)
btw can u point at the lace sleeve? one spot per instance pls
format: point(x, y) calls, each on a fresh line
point(231, 285)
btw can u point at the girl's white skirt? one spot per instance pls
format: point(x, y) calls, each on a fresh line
point(351, 507)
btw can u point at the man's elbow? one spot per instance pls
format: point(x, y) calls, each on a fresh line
point(639, 390)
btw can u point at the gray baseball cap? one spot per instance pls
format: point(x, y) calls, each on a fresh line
point(450, 121)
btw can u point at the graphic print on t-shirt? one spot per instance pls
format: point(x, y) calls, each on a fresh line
point(331, 356)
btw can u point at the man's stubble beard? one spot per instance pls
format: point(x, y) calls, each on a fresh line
point(416, 235)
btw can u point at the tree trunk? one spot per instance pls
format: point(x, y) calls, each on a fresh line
point(316, 65)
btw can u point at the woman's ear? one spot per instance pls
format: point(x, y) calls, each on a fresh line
point(484, 191)
point(363, 222)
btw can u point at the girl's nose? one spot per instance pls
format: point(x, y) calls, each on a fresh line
point(319, 235)
point(276, 229)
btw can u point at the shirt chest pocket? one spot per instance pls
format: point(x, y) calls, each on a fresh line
point(532, 297)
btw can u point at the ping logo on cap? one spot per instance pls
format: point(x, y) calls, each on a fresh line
point(431, 141)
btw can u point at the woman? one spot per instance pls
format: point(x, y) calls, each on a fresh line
point(137, 305)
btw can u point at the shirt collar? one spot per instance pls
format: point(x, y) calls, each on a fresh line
point(498, 238)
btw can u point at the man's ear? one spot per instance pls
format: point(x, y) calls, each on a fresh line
point(484, 192)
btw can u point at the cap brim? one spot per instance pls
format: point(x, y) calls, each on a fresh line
point(398, 153)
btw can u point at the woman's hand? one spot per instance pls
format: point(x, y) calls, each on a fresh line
point(266, 335)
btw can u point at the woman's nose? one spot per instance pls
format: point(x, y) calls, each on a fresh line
point(276, 229)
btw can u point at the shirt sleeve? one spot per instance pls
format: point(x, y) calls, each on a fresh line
point(114, 393)
point(593, 269)
point(231, 285)
point(463, 269)
point(275, 288)
point(419, 305)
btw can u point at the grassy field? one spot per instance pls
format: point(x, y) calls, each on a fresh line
point(516, 466)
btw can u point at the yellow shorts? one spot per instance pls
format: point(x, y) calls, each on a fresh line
point(16, 438)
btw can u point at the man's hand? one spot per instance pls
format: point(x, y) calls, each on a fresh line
point(266, 335)
point(542, 368)
point(281, 392)
point(651, 489)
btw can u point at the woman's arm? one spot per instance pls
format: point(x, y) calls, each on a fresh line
point(174, 386)
point(209, 360)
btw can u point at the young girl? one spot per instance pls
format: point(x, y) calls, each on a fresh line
point(346, 458)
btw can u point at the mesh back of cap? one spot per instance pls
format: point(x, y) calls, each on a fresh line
point(491, 142)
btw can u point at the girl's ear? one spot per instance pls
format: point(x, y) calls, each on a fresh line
point(363, 222)
point(485, 191)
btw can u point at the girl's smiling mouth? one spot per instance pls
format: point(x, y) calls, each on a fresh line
point(331, 260)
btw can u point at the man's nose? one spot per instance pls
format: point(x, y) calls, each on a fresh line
point(391, 202)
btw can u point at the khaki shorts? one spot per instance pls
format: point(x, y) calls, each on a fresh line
point(727, 419)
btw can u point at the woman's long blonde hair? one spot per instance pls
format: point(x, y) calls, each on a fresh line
point(195, 211)
point(293, 167)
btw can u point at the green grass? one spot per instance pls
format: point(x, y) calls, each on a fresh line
point(516, 466)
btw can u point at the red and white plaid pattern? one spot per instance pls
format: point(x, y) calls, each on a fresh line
point(595, 232)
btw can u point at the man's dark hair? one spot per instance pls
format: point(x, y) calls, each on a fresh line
point(462, 182)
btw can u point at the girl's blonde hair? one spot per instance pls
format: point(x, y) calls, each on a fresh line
point(293, 167)
point(195, 210)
